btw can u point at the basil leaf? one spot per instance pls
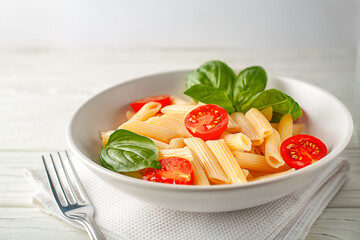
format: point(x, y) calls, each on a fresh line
point(127, 152)
point(248, 83)
point(213, 73)
point(279, 101)
point(210, 95)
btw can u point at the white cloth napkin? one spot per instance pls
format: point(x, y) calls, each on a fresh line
point(122, 217)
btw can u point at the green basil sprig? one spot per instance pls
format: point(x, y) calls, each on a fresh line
point(214, 82)
point(279, 101)
point(127, 152)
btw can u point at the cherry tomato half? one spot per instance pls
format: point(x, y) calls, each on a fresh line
point(163, 99)
point(207, 121)
point(302, 150)
point(174, 170)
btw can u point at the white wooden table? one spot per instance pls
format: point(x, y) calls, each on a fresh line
point(39, 91)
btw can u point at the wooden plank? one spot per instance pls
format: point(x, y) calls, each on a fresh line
point(336, 223)
point(30, 223)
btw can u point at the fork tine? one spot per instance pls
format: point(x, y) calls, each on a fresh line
point(52, 187)
point(71, 188)
point(77, 180)
point(59, 182)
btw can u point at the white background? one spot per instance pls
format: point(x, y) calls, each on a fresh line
point(177, 24)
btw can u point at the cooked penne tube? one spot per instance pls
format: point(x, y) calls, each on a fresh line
point(177, 143)
point(247, 128)
point(178, 109)
point(285, 127)
point(267, 112)
point(253, 162)
point(149, 130)
point(227, 161)
point(176, 152)
point(209, 163)
point(105, 135)
point(147, 111)
point(170, 124)
point(272, 150)
point(200, 177)
point(261, 125)
point(160, 145)
point(233, 126)
point(129, 114)
point(177, 117)
point(237, 141)
point(298, 128)
point(245, 172)
point(272, 175)
point(179, 101)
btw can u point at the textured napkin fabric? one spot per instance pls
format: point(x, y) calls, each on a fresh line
point(122, 217)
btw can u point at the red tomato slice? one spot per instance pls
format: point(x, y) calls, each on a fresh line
point(207, 121)
point(302, 150)
point(163, 99)
point(174, 170)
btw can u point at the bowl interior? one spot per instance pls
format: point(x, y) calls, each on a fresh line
point(327, 118)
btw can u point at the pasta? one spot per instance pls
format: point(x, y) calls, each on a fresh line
point(177, 143)
point(248, 150)
point(286, 127)
point(227, 161)
point(272, 150)
point(267, 112)
point(260, 124)
point(247, 128)
point(149, 130)
point(237, 141)
point(172, 124)
point(208, 161)
point(147, 111)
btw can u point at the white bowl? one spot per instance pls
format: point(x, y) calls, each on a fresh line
point(327, 119)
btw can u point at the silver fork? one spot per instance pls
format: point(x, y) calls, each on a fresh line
point(77, 205)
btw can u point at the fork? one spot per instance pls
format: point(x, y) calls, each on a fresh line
point(77, 206)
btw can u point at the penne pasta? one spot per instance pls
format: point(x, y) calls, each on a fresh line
point(171, 124)
point(253, 162)
point(247, 128)
point(149, 130)
point(267, 112)
point(129, 114)
point(179, 101)
point(261, 125)
point(285, 127)
point(237, 141)
point(105, 135)
point(298, 128)
point(177, 143)
point(147, 111)
point(209, 163)
point(160, 145)
point(176, 152)
point(233, 126)
point(272, 150)
point(178, 109)
point(200, 177)
point(227, 161)
point(177, 117)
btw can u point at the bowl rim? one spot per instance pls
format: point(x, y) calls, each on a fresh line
point(134, 181)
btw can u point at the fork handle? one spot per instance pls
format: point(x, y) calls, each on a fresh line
point(91, 228)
